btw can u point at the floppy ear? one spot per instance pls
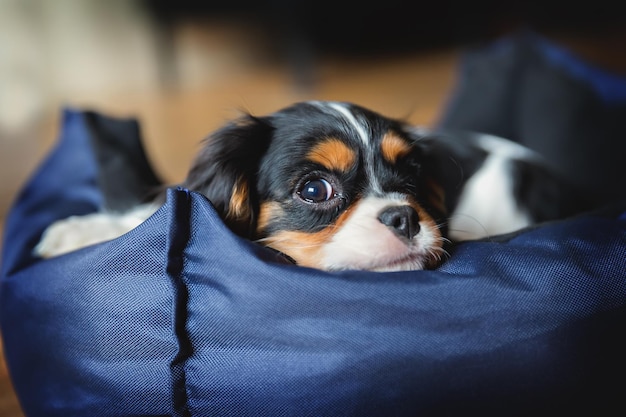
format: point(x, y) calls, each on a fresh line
point(226, 168)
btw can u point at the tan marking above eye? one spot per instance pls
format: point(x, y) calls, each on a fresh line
point(333, 154)
point(393, 147)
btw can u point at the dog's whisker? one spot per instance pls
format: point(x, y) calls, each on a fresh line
point(474, 219)
point(438, 253)
point(442, 224)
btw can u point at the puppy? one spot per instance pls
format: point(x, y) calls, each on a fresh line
point(335, 186)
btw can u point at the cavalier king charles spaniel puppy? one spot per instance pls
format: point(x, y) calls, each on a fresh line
point(335, 186)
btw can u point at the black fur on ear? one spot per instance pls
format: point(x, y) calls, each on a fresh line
point(225, 171)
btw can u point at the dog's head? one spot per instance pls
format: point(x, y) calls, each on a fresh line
point(331, 185)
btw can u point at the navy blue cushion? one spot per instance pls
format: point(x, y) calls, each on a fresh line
point(181, 317)
point(528, 89)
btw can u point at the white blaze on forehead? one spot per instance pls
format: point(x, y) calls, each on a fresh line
point(342, 110)
point(361, 128)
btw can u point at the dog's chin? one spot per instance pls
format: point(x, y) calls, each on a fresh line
point(410, 262)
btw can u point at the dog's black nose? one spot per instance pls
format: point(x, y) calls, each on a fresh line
point(403, 220)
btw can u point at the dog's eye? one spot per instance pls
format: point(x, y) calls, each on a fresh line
point(317, 191)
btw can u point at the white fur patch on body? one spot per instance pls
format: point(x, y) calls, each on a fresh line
point(487, 205)
point(76, 232)
point(506, 148)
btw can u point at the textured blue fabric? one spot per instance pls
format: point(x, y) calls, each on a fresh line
point(181, 317)
point(610, 86)
point(64, 184)
point(533, 91)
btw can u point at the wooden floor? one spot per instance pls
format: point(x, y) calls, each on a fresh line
point(174, 117)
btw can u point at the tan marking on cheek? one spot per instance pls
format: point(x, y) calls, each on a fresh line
point(268, 211)
point(435, 255)
point(303, 247)
point(238, 207)
point(333, 155)
point(393, 147)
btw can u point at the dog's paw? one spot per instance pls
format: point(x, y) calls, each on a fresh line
point(77, 232)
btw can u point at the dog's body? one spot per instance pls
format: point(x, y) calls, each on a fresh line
point(336, 186)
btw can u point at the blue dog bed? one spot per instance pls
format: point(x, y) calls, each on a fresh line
point(181, 317)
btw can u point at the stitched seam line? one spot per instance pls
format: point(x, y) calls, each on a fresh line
point(179, 229)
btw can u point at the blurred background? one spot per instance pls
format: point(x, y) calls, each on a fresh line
point(183, 68)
